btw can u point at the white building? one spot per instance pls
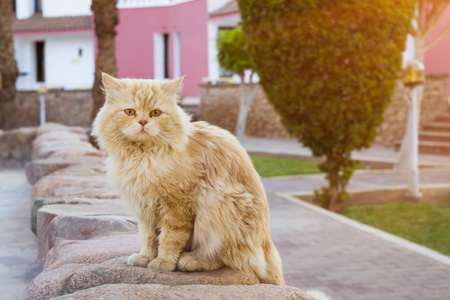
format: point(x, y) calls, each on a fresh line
point(53, 42)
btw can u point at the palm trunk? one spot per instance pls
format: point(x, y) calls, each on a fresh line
point(8, 66)
point(106, 17)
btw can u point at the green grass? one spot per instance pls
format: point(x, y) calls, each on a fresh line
point(427, 224)
point(270, 167)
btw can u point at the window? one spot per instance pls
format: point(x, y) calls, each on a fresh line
point(161, 55)
point(13, 5)
point(40, 61)
point(37, 6)
point(166, 55)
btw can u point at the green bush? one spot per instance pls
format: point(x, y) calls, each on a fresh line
point(329, 67)
point(233, 51)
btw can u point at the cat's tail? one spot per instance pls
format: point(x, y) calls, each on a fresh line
point(274, 267)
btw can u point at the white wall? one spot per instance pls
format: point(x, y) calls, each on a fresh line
point(64, 68)
point(63, 8)
point(214, 5)
point(24, 9)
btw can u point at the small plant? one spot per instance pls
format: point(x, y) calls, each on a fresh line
point(234, 56)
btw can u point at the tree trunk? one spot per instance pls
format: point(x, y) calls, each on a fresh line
point(8, 66)
point(333, 179)
point(106, 17)
point(246, 97)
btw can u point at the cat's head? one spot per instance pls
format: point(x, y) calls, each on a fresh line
point(140, 112)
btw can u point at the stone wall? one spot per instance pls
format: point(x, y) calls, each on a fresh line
point(220, 106)
point(65, 107)
point(435, 101)
point(85, 233)
point(15, 146)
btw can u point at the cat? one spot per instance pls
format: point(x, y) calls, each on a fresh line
point(200, 203)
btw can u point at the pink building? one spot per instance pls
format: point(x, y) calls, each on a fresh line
point(163, 39)
point(164, 42)
point(437, 59)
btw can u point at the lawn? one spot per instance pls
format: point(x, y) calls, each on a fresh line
point(271, 167)
point(427, 224)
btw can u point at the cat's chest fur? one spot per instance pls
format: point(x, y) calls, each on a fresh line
point(143, 177)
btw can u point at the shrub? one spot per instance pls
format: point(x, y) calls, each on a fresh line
point(233, 51)
point(329, 67)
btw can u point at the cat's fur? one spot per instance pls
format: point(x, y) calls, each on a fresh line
point(199, 201)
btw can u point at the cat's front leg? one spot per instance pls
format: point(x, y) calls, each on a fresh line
point(148, 234)
point(176, 229)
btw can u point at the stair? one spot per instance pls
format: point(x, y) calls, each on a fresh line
point(432, 147)
point(435, 136)
point(437, 126)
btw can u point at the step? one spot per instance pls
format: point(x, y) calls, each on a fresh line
point(429, 147)
point(435, 148)
point(437, 126)
point(443, 118)
point(436, 136)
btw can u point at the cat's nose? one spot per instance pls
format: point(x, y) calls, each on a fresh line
point(143, 122)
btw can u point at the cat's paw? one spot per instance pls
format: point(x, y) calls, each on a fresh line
point(138, 260)
point(159, 264)
point(187, 262)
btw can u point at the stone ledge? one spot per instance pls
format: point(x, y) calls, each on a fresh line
point(69, 278)
point(158, 291)
point(85, 234)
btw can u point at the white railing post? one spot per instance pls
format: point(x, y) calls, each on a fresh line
point(42, 91)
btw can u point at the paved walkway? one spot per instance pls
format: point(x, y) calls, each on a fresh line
point(18, 246)
point(348, 260)
point(375, 154)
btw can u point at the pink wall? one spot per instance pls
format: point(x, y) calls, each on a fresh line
point(134, 41)
point(437, 59)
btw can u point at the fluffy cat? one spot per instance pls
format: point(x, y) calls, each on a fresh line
point(199, 201)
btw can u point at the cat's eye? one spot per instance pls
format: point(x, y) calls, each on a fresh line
point(155, 113)
point(130, 112)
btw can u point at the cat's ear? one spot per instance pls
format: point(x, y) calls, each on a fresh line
point(173, 86)
point(110, 83)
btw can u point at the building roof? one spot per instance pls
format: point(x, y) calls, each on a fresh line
point(38, 23)
point(229, 8)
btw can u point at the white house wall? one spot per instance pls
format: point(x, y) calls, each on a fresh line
point(65, 8)
point(64, 67)
point(24, 9)
point(214, 5)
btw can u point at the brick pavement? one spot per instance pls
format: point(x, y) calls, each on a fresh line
point(320, 252)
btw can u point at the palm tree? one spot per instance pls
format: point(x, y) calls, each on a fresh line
point(8, 65)
point(106, 17)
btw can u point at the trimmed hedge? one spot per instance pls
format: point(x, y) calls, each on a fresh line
point(329, 67)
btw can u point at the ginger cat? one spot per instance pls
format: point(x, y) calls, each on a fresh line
point(199, 201)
